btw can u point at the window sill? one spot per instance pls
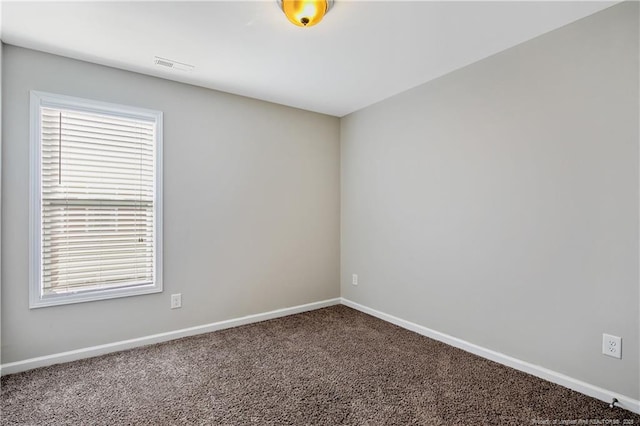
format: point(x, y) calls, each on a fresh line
point(93, 295)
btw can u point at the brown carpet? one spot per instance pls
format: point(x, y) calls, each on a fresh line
point(333, 366)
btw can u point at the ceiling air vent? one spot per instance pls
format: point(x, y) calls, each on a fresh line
point(164, 62)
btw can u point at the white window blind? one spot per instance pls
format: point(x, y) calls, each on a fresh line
point(98, 201)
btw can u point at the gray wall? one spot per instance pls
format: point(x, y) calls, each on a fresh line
point(1, 56)
point(499, 204)
point(251, 207)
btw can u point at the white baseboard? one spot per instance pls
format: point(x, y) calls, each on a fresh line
point(42, 361)
point(535, 370)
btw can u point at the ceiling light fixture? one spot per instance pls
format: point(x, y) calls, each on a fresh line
point(305, 13)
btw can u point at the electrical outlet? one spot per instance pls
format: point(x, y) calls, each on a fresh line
point(612, 346)
point(354, 279)
point(176, 301)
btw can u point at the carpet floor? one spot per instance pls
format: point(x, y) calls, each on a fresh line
point(333, 366)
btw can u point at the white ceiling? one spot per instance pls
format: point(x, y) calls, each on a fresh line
point(361, 53)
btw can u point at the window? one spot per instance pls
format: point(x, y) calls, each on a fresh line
point(96, 206)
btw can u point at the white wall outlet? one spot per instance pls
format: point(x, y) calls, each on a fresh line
point(176, 301)
point(354, 279)
point(612, 346)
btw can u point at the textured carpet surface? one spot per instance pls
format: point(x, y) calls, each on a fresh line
point(333, 366)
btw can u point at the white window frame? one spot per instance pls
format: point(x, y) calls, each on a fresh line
point(50, 100)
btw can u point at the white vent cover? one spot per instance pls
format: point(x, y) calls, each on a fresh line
point(169, 63)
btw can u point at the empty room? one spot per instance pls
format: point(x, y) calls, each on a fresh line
point(320, 212)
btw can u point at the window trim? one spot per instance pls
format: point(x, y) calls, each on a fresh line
point(43, 99)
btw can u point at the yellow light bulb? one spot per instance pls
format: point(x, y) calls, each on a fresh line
point(305, 13)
